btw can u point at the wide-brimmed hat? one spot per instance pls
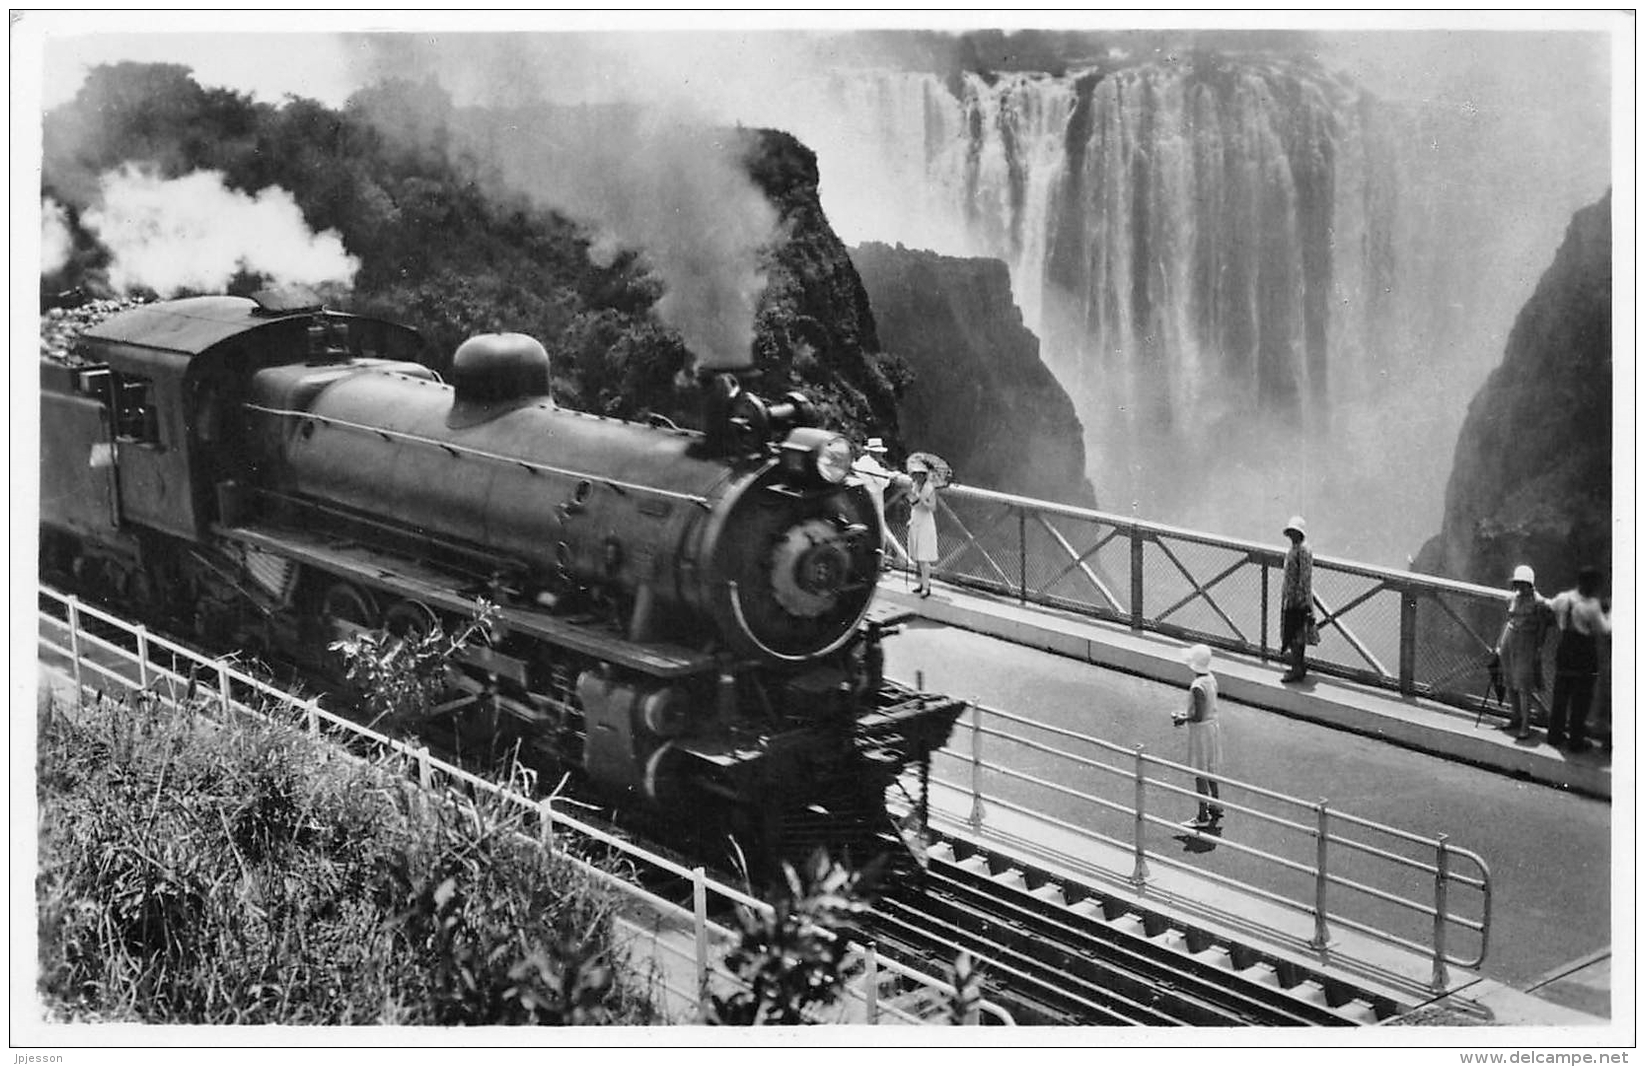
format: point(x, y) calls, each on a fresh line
point(875, 445)
point(1525, 574)
point(1198, 658)
point(1298, 525)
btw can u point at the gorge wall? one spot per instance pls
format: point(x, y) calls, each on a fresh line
point(1264, 286)
point(980, 396)
point(1531, 478)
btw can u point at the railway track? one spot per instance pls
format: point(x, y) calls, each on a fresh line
point(1055, 953)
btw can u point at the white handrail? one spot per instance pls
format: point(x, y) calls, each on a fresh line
point(1322, 832)
point(308, 714)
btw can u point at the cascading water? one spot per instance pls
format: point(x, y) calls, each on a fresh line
point(1237, 266)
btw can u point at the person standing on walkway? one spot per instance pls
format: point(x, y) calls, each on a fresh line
point(1582, 620)
point(1296, 599)
point(922, 524)
point(878, 480)
point(1519, 649)
point(1204, 737)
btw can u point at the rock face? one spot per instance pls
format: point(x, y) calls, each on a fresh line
point(980, 397)
point(1531, 482)
point(814, 329)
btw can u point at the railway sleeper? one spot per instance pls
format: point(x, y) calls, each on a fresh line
point(1212, 1000)
point(1345, 1000)
point(1123, 935)
point(1068, 958)
point(1028, 989)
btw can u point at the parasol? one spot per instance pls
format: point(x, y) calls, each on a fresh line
point(941, 473)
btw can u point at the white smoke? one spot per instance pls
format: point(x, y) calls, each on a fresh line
point(653, 175)
point(658, 182)
point(194, 234)
point(55, 240)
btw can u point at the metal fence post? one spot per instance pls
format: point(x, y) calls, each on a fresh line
point(1139, 872)
point(1442, 878)
point(223, 690)
point(1136, 577)
point(312, 713)
point(871, 975)
point(143, 657)
point(545, 822)
point(978, 811)
point(1022, 555)
point(74, 651)
point(1322, 932)
point(1407, 641)
point(425, 773)
point(699, 907)
point(1263, 616)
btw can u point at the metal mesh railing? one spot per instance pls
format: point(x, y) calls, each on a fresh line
point(1413, 633)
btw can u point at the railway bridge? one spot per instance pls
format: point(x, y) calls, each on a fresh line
point(1387, 850)
point(1066, 627)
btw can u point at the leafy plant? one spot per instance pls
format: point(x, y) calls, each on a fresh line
point(399, 675)
point(790, 960)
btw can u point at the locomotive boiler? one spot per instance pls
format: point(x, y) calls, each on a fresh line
point(682, 615)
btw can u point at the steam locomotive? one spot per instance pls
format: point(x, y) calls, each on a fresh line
point(682, 615)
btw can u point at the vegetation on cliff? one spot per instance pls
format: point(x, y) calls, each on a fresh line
point(1531, 481)
point(444, 244)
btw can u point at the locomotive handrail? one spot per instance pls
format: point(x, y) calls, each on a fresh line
point(551, 822)
point(1321, 838)
point(468, 450)
point(1415, 633)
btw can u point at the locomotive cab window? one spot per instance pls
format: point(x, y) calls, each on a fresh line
point(135, 417)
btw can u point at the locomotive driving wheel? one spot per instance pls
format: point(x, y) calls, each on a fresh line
point(344, 609)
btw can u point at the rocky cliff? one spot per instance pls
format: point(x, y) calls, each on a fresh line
point(980, 395)
point(1531, 482)
point(814, 329)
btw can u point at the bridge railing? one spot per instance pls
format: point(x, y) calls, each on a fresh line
point(1417, 892)
point(1413, 633)
point(108, 656)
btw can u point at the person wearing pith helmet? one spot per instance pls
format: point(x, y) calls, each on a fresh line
point(1296, 599)
point(1519, 648)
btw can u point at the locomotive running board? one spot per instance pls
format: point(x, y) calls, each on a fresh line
point(412, 581)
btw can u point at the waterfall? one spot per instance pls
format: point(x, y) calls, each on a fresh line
point(1211, 251)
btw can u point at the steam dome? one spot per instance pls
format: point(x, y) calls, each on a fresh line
point(492, 367)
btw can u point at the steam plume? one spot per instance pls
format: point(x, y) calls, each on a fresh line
point(653, 182)
point(655, 178)
point(193, 233)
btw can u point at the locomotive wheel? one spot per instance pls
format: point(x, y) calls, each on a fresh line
point(343, 603)
point(409, 620)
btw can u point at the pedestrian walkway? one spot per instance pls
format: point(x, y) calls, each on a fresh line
point(1188, 899)
point(1424, 725)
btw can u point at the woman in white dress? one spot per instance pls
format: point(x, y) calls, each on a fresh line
point(1204, 737)
point(922, 525)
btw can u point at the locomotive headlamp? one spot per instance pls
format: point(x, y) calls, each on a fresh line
point(833, 460)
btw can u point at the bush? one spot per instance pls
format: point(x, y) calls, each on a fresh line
point(191, 874)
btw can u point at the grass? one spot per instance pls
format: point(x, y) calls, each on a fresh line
point(246, 874)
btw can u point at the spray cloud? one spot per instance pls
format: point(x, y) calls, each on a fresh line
point(194, 233)
point(55, 240)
